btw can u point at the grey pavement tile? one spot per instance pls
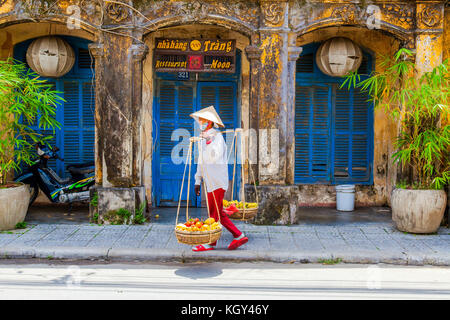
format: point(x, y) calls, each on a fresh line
point(281, 229)
point(308, 245)
point(354, 237)
point(133, 243)
point(373, 230)
point(75, 243)
point(95, 244)
point(416, 245)
point(24, 242)
point(49, 243)
point(333, 243)
point(155, 240)
point(362, 245)
point(57, 235)
point(332, 236)
point(388, 246)
point(379, 237)
point(257, 241)
point(282, 242)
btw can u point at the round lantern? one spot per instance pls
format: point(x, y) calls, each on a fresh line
point(50, 56)
point(338, 56)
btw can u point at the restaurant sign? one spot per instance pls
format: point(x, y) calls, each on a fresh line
point(196, 55)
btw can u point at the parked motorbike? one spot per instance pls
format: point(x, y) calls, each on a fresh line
point(58, 190)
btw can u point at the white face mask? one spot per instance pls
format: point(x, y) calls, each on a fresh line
point(203, 126)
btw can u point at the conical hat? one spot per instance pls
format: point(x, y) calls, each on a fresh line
point(208, 114)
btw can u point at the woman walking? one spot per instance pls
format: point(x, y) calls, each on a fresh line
point(213, 169)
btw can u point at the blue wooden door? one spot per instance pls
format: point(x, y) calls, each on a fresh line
point(175, 101)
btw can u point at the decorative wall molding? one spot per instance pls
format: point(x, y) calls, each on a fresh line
point(431, 16)
point(116, 11)
point(273, 13)
point(398, 13)
point(348, 13)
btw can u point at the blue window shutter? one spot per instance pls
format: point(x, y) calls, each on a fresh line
point(88, 122)
point(167, 118)
point(352, 137)
point(73, 138)
point(302, 124)
point(312, 134)
point(360, 170)
point(222, 95)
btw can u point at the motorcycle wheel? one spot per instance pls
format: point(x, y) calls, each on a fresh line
point(34, 191)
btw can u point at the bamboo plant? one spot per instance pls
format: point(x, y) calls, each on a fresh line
point(421, 105)
point(25, 98)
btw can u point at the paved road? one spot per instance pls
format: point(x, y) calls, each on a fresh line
point(222, 281)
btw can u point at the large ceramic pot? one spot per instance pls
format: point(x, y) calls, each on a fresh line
point(13, 205)
point(418, 211)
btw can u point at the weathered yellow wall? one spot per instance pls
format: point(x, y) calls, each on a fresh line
point(11, 35)
point(446, 46)
point(384, 129)
point(187, 31)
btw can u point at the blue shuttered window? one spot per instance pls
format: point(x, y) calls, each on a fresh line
point(333, 127)
point(76, 138)
point(78, 122)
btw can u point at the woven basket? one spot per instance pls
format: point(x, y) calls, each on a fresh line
point(249, 213)
point(198, 237)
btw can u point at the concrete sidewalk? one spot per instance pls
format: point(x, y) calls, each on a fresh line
point(328, 241)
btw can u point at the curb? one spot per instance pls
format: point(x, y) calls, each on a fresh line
point(176, 255)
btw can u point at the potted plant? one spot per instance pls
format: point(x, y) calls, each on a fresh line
point(420, 104)
point(24, 99)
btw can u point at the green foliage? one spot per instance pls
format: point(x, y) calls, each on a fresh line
point(421, 104)
point(139, 217)
point(329, 261)
point(95, 218)
point(23, 95)
point(94, 200)
point(21, 225)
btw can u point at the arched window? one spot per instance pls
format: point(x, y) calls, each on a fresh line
point(76, 138)
point(333, 126)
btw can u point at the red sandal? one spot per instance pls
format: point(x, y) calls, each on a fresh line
point(237, 243)
point(200, 247)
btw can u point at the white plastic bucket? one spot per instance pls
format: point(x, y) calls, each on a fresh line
point(345, 197)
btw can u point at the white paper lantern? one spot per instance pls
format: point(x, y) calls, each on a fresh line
point(338, 56)
point(50, 56)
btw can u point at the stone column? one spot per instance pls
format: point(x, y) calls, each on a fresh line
point(429, 35)
point(118, 89)
point(293, 54)
point(273, 105)
point(254, 55)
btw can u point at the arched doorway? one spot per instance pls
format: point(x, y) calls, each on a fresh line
point(174, 100)
point(76, 138)
point(175, 96)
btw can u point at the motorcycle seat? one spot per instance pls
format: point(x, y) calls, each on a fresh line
point(81, 165)
point(81, 170)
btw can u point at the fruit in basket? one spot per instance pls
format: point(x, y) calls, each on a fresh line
point(230, 205)
point(196, 224)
